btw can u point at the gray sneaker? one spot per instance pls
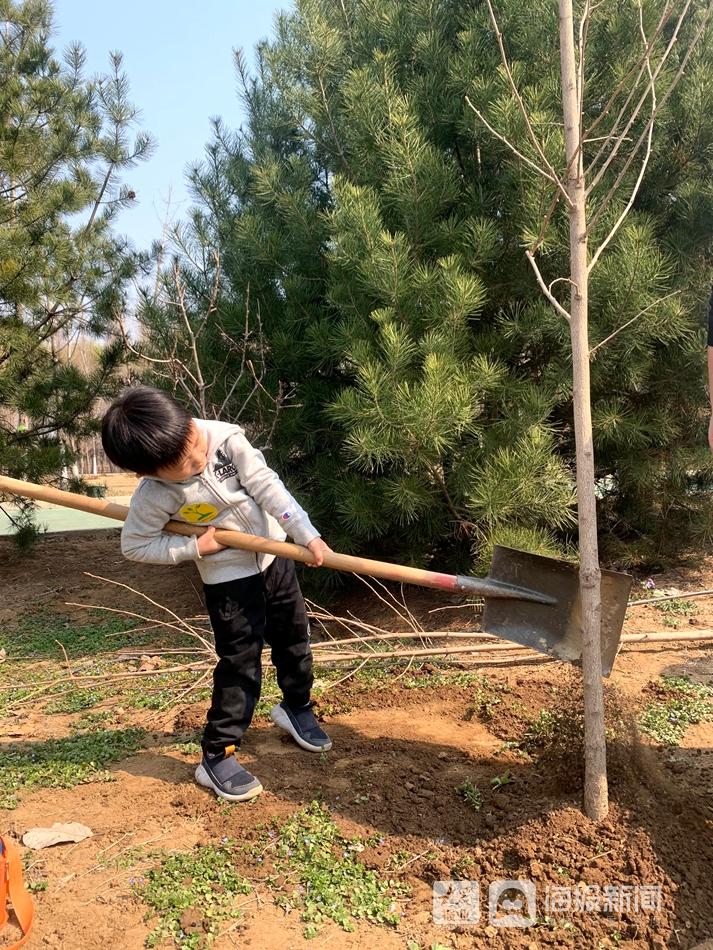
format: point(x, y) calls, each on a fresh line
point(302, 725)
point(226, 776)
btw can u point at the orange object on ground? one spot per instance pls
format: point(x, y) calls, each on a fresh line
point(12, 886)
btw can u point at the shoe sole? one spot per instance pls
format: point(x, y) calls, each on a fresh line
point(281, 719)
point(203, 778)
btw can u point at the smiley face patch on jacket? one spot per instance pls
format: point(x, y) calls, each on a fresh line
point(198, 513)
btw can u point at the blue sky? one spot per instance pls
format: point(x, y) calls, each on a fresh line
point(178, 56)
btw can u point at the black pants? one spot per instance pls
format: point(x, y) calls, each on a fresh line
point(243, 613)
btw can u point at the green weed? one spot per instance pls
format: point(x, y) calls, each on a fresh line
point(76, 701)
point(682, 607)
point(64, 763)
point(35, 881)
point(543, 730)
point(501, 780)
point(327, 882)
point(461, 869)
point(97, 717)
point(192, 894)
point(485, 697)
point(190, 747)
point(440, 678)
point(681, 704)
point(470, 793)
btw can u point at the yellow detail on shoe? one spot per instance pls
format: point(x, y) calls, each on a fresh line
point(229, 750)
point(199, 513)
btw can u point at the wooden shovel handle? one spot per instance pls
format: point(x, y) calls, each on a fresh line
point(238, 539)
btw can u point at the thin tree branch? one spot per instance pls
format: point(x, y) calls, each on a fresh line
point(647, 131)
point(640, 65)
point(611, 336)
point(519, 154)
point(642, 170)
point(521, 104)
point(545, 290)
point(583, 29)
point(649, 87)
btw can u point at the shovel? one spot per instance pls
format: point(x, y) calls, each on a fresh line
point(529, 599)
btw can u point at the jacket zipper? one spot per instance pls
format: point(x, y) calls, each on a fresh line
point(224, 498)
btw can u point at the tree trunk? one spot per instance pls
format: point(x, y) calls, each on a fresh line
point(596, 801)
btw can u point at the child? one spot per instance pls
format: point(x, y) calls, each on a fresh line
point(207, 472)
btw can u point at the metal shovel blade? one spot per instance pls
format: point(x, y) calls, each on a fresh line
point(555, 629)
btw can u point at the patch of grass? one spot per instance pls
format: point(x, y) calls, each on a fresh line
point(186, 746)
point(97, 717)
point(470, 793)
point(681, 606)
point(65, 696)
point(440, 678)
point(309, 850)
point(382, 678)
point(76, 701)
point(543, 730)
point(485, 697)
point(35, 880)
point(680, 704)
point(127, 858)
point(513, 747)
point(555, 732)
point(36, 634)
point(64, 763)
point(192, 894)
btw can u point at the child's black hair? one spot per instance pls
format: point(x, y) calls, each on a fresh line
point(145, 429)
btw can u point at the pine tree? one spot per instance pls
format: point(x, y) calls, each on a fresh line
point(64, 142)
point(379, 226)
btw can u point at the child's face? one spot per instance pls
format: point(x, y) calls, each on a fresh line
point(192, 463)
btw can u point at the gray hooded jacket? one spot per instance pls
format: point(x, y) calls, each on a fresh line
point(237, 490)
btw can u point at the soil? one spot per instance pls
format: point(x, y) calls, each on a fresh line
point(398, 755)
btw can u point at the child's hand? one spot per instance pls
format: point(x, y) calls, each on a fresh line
point(318, 548)
point(207, 543)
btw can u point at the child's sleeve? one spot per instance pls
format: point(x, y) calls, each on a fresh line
point(265, 486)
point(143, 537)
